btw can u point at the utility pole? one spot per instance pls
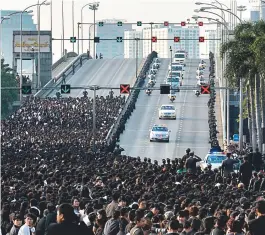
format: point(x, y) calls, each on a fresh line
point(241, 115)
point(136, 56)
point(94, 6)
point(170, 48)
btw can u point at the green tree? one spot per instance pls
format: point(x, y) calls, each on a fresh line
point(7, 80)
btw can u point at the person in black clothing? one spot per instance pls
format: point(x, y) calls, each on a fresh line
point(173, 227)
point(245, 172)
point(186, 156)
point(257, 226)
point(66, 220)
point(257, 184)
point(220, 226)
point(208, 224)
point(191, 162)
point(252, 181)
point(228, 165)
point(250, 156)
point(257, 160)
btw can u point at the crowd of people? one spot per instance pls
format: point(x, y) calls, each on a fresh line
point(53, 183)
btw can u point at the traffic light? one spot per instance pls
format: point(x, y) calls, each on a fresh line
point(154, 39)
point(119, 23)
point(96, 39)
point(65, 89)
point(72, 39)
point(176, 39)
point(183, 23)
point(26, 90)
point(200, 23)
point(166, 23)
point(164, 89)
point(101, 23)
point(139, 23)
point(124, 88)
point(119, 39)
point(201, 39)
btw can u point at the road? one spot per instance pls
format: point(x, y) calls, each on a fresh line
point(105, 72)
point(190, 130)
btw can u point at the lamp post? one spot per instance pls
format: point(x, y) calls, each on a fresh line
point(21, 71)
point(39, 5)
point(94, 6)
point(82, 32)
point(241, 9)
point(136, 56)
point(170, 49)
point(89, 37)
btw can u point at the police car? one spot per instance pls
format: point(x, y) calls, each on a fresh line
point(159, 133)
point(214, 159)
point(167, 111)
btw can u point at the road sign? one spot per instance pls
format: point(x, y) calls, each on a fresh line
point(65, 89)
point(201, 39)
point(101, 23)
point(72, 39)
point(119, 39)
point(166, 23)
point(139, 23)
point(119, 23)
point(183, 23)
point(200, 23)
point(26, 90)
point(154, 39)
point(176, 39)
point(125, 88)
point(236, 137)
point(96, 39)
point(164, 89)
point(205, 89)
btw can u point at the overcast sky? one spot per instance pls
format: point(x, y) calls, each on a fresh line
point(131, 10)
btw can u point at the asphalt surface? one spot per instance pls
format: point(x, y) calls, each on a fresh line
point(61, 67)
point(190, 130)
point(105, 72)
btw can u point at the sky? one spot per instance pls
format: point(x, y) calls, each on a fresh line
point(130, 10)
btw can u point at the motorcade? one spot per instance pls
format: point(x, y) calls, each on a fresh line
point(167, 111)
point(159, 133)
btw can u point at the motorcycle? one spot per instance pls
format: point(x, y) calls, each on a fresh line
point(148, 92)
point(151, 83)
point(197, 93)
point(172, 98)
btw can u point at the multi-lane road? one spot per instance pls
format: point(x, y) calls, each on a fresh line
point(190, 130)
point(105, 72)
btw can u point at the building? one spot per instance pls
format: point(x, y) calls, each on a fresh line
point(162, 46)
point(257, 10)
point(131, 46)
point(110, 30)
point(10, 25)
point(210, 44)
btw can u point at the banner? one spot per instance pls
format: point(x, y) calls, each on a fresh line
point(30, 43)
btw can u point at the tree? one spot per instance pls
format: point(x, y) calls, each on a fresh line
point(8, 80)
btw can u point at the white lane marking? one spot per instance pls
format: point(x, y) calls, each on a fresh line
point(195, 131)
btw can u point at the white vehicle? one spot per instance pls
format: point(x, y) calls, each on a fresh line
point(174, 82)
point(167, 111)
point(201, 81)
point(159, 133)
point(213, 159)
point(176, 67)
point(152, 79)
point(156, 60)
point(199, 72)
point(180, 57)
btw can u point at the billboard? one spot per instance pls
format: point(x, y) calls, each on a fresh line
point(30, 43)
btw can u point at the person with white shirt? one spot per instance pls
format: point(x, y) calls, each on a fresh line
point(28, 228)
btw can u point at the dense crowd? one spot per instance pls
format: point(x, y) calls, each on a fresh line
point(53, 184)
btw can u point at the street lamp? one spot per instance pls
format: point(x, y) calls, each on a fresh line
point(94, 6)
point(241, 9)
point(21, 23)
point(170, 49)
point(4, 18)
point(82, 33)
point(45, 3)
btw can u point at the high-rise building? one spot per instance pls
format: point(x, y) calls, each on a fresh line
point(162, 46)
point(110, 30)
point(257, 10)
point(133, 47)
point(209, 44)
point(10, 25)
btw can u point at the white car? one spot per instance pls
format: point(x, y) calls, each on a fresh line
point(167, 111)
point(213, 159)
point(201, 81)
point(159, 133)
point(199, 72)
